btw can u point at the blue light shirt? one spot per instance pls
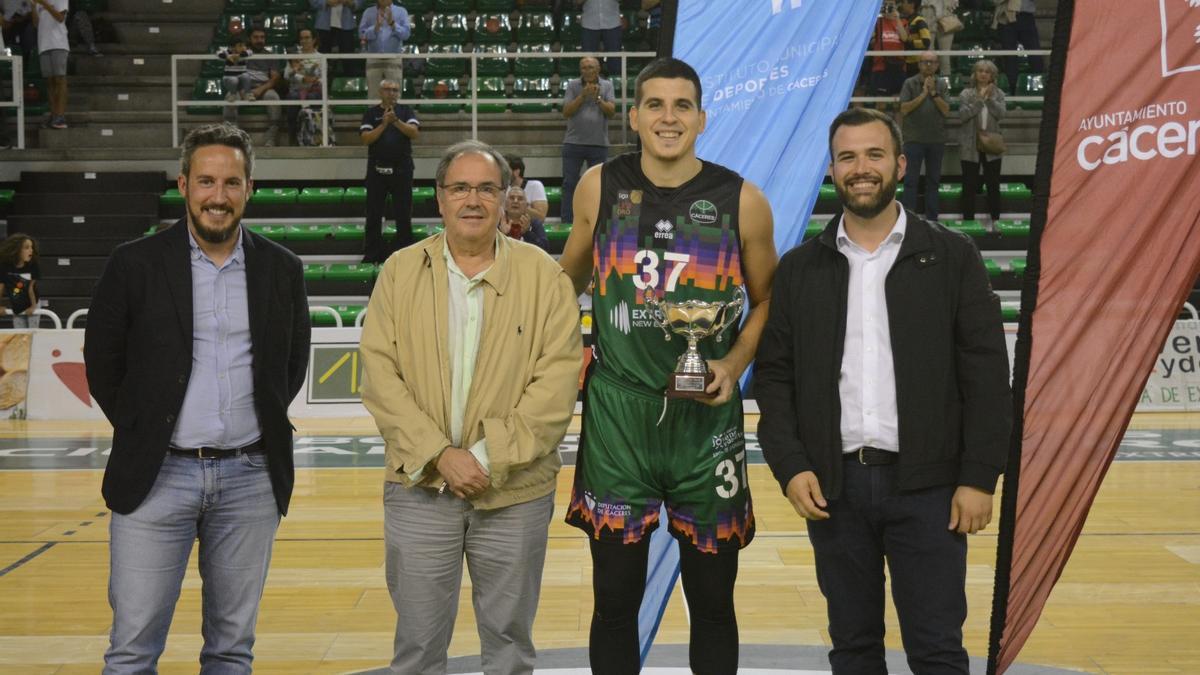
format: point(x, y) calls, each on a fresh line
point(218, 408)
point(388, 38)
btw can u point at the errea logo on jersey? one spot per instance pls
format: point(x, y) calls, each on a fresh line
point(664, 230)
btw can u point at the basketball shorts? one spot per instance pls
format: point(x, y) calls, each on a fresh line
point(630, 463)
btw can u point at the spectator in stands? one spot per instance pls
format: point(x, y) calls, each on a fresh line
point(384, 28)
point(653, 22)
point(923, 111)
point(258, 82)
point(81, 19)
point(234, 57)
point(16, 24)
point(522, 222)
point(336, 29)
point(388, 131)
point(601, 26)
point(535, 190)
point(887, 72)
point(919, 36)
point(980, 108)
point(19, 275)
point(303, 75)
point(933, 11)
point(588, 103)
point(472, 412)
point(50, 17)
point(1018, 29)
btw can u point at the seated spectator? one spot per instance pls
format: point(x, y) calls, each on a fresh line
point(258, 81)
point(19, 275)
point(535, 191)
point(887, 72)
point(303, 76)
point(521, 222)
point(919, 36)
point(235, 65)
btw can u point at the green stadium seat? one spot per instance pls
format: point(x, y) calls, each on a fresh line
point(1010, 311)
point(448, 29)
point(1013, 228)
point(461, 6)
point(558, 232)
point(972, 228)
point(171, 197)
point(630, 85)
point(288, 6)
point(360, 272)
point(443, 68)
point(553, 194)
point(355, 195)
point(814, 228)
point(445, 91)
point(497, 6)
point(6, 196)
point(532, 87)
point(314, 272)
point(571, 32)
point(246, 6)
point(347, 313)
point(1015, 191)
point(534, 67)
point(827, 193)
point(308, 232)
point(1017, 265)
point(423, 194)
point(349, 232)
point(272, 232)
point(492, 88)
point(322, 195)
point(150, 230)
point(284, 195)
point(492, 67)
point(420, 29)
point(535, 27)
point(212, 68)
point(281, 28)
point(950, 191)
point(233, 16)
point(492, 29)
point(349, 88)
point(993, 267)
point(205, 89)
point(568, 69)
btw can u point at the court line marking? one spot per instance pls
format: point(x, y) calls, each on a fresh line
point(45, 547)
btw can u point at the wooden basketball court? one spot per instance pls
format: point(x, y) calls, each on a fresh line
point(1129, 601)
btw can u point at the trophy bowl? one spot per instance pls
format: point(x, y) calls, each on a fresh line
point(694, 320)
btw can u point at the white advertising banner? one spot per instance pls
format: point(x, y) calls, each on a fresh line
point(1174, 384)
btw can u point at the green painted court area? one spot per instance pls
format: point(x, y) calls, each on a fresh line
point(339, 452)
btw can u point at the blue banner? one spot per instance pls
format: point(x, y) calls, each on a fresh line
point(775, 73)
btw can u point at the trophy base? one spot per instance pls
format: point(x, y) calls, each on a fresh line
point(689, 385)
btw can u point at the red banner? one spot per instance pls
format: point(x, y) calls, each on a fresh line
point(1118, 251)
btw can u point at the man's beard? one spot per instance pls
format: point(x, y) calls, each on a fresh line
point(209, 234)
point(872, 207)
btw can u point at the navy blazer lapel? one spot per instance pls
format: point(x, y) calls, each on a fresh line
point(258, 287)
point(178, 261)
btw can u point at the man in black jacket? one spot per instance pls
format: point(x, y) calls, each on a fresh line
point(197, 340)
point(883, 383)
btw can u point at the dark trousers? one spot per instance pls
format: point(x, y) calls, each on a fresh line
point(872, 522)
point(610, 38)
point(1021, 32)
point(991, 180)
point(929, 154)
point(573, 158)
point(343, 41)
point(379, 186)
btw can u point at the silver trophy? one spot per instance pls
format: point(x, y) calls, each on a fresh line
point(694, 320)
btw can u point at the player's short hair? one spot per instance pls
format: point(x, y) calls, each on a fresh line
point(216, 134)
point(669, 68)
point(857, 117)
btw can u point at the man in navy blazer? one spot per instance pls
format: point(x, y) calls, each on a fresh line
point(197, 340)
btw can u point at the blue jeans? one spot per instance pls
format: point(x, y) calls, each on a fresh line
point(872, 521)
point(573, 157)
point(229, 506)
point(931, 155)
point(590, 41)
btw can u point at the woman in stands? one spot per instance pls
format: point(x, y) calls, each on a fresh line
point(19, 275)
point(981, 107)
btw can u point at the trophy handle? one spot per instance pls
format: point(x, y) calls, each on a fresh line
point(660, 317)
point(727, 320)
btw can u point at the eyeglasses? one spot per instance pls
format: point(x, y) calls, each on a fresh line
point(928, 63)
point(488, 192)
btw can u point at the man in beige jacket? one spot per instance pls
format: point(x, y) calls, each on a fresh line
point(472, 354)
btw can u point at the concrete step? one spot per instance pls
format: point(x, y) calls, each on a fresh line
point(174, 37)
point(123, 135)
point(135, 65)
point(138, 7)
point(125, 99)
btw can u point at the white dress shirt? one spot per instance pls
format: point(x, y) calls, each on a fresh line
point(867, 384)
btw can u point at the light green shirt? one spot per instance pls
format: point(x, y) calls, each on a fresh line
point(466, 326)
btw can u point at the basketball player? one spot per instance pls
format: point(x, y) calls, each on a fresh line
point(688, 229)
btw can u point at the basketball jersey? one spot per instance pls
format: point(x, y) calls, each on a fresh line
point(682, 242)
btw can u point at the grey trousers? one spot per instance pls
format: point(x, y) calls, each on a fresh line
point(427, 536)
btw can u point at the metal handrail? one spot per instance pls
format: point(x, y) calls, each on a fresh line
point(18, 97)
point(75, 315)
point(337, 318)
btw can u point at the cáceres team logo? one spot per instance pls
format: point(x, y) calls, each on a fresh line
point(703, 212)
